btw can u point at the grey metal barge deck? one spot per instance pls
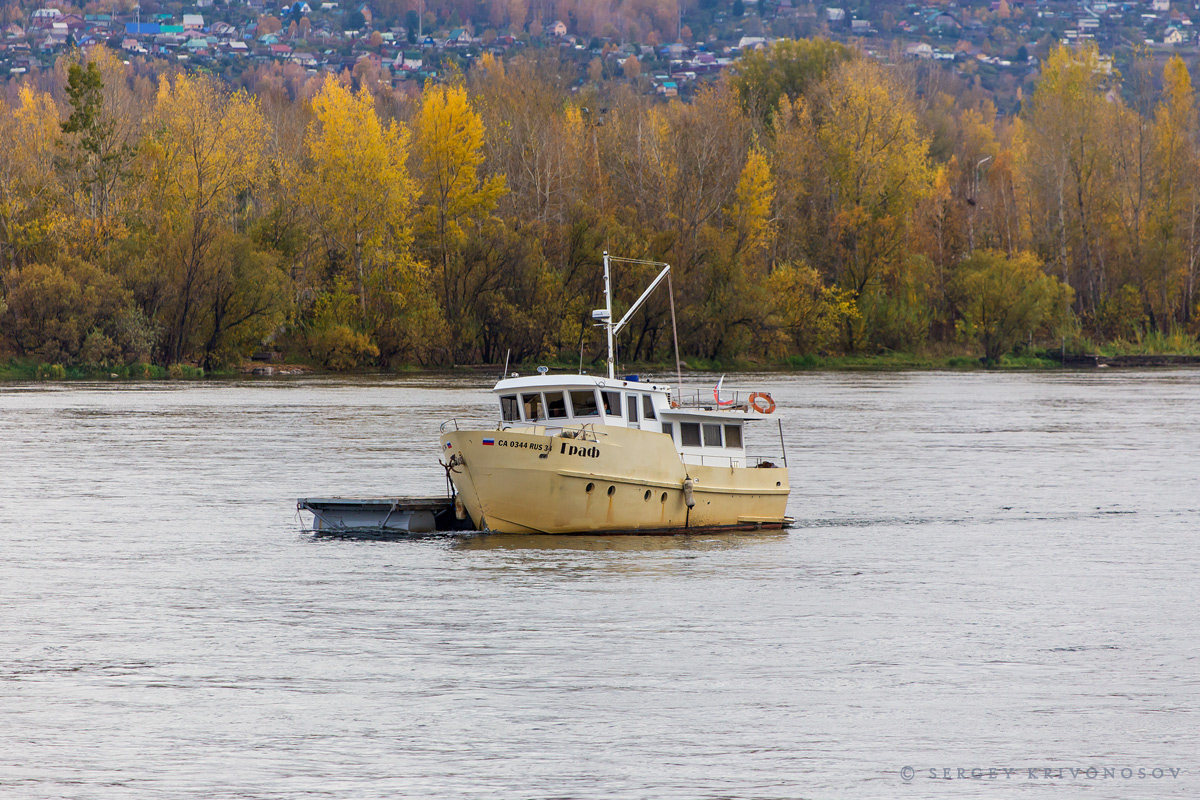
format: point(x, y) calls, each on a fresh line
point(389, 515)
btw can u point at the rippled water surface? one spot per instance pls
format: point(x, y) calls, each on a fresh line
point(988, 571)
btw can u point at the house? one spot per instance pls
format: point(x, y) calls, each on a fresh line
point(14, 31)
point(193, 22)
point(44, 17)
point(919, 50)
point(304, 59)
point(408, 61)
point(458, 36)
point(860, 25)
point(751, 43)
point(668, 89)
point(943, 21)
point(835, 14)
point(141, 28)
point(1173, 36)
point(556, 28)
point(281, 50)
point(1160, 6)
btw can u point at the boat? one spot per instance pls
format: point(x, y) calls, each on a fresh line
point(579, 453)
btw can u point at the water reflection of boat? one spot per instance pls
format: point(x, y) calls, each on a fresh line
point(602, 543)
point(585, 454)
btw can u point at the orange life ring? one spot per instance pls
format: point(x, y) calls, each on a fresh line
point(767, 407)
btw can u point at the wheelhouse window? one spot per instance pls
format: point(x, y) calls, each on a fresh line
point(631, 407)
point(612, 403)
point(648, 407)
point(583, 403)
point(733, 436)
point(510, 411)
point(556, 405)
point(533, 406)
point(712, 435)
point(669, 430)
point(689, 434)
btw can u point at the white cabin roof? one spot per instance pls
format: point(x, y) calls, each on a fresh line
point(552, 382)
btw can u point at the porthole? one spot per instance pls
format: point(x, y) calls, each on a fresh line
point(611, 490)
point(646, 496)
point(591, 486)
point(777, 483)
point(663, 499)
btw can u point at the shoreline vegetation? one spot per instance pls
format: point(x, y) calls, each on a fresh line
point(822, 207)
point(1043, 360)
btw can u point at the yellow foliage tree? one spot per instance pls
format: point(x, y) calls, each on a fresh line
point(752, 205)
point(1171, 276)
point(202, 161)
point(448, 148)
point(356, 186)
point(876, 163)
point(28, 219)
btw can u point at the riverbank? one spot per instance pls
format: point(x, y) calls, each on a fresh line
point(25, 371)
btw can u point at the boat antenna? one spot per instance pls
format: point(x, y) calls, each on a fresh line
point(504, 374)
point(605, 314)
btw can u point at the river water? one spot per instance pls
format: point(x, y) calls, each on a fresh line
point(991, 575)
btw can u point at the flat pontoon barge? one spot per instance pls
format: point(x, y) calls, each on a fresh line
point(382, 514)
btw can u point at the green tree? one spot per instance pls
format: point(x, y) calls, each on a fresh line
point(788, 68)
point(1003, 299)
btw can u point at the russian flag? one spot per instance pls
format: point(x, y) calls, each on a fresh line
point(448, 446)
point(489, 441)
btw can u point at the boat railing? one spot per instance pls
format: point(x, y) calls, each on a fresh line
point(442, 428)
point(711, 460)
point(705, 400)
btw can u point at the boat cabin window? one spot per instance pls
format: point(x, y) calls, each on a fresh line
point(647, 407)
point(733, 436)
point(509, 410)
point(712, 435)
point(533, 406)
point(612, 403)
point(631, 407)
point(669, 430)
point(689, 434)
point(556, 405)
point(583, 403)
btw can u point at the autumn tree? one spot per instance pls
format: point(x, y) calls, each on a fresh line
point(448, 151)
point(788, 68)
point(203, 161)
point(1170, 278)
point(1002, 300)
point(99, 140)
point(874, 168)
point(29, 219)
point(358, 195)
point(1065, 168)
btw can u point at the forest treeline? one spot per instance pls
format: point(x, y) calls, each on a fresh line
point(815, 201)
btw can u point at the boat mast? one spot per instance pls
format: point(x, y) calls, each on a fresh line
point(605, 313)
point(608, 316)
